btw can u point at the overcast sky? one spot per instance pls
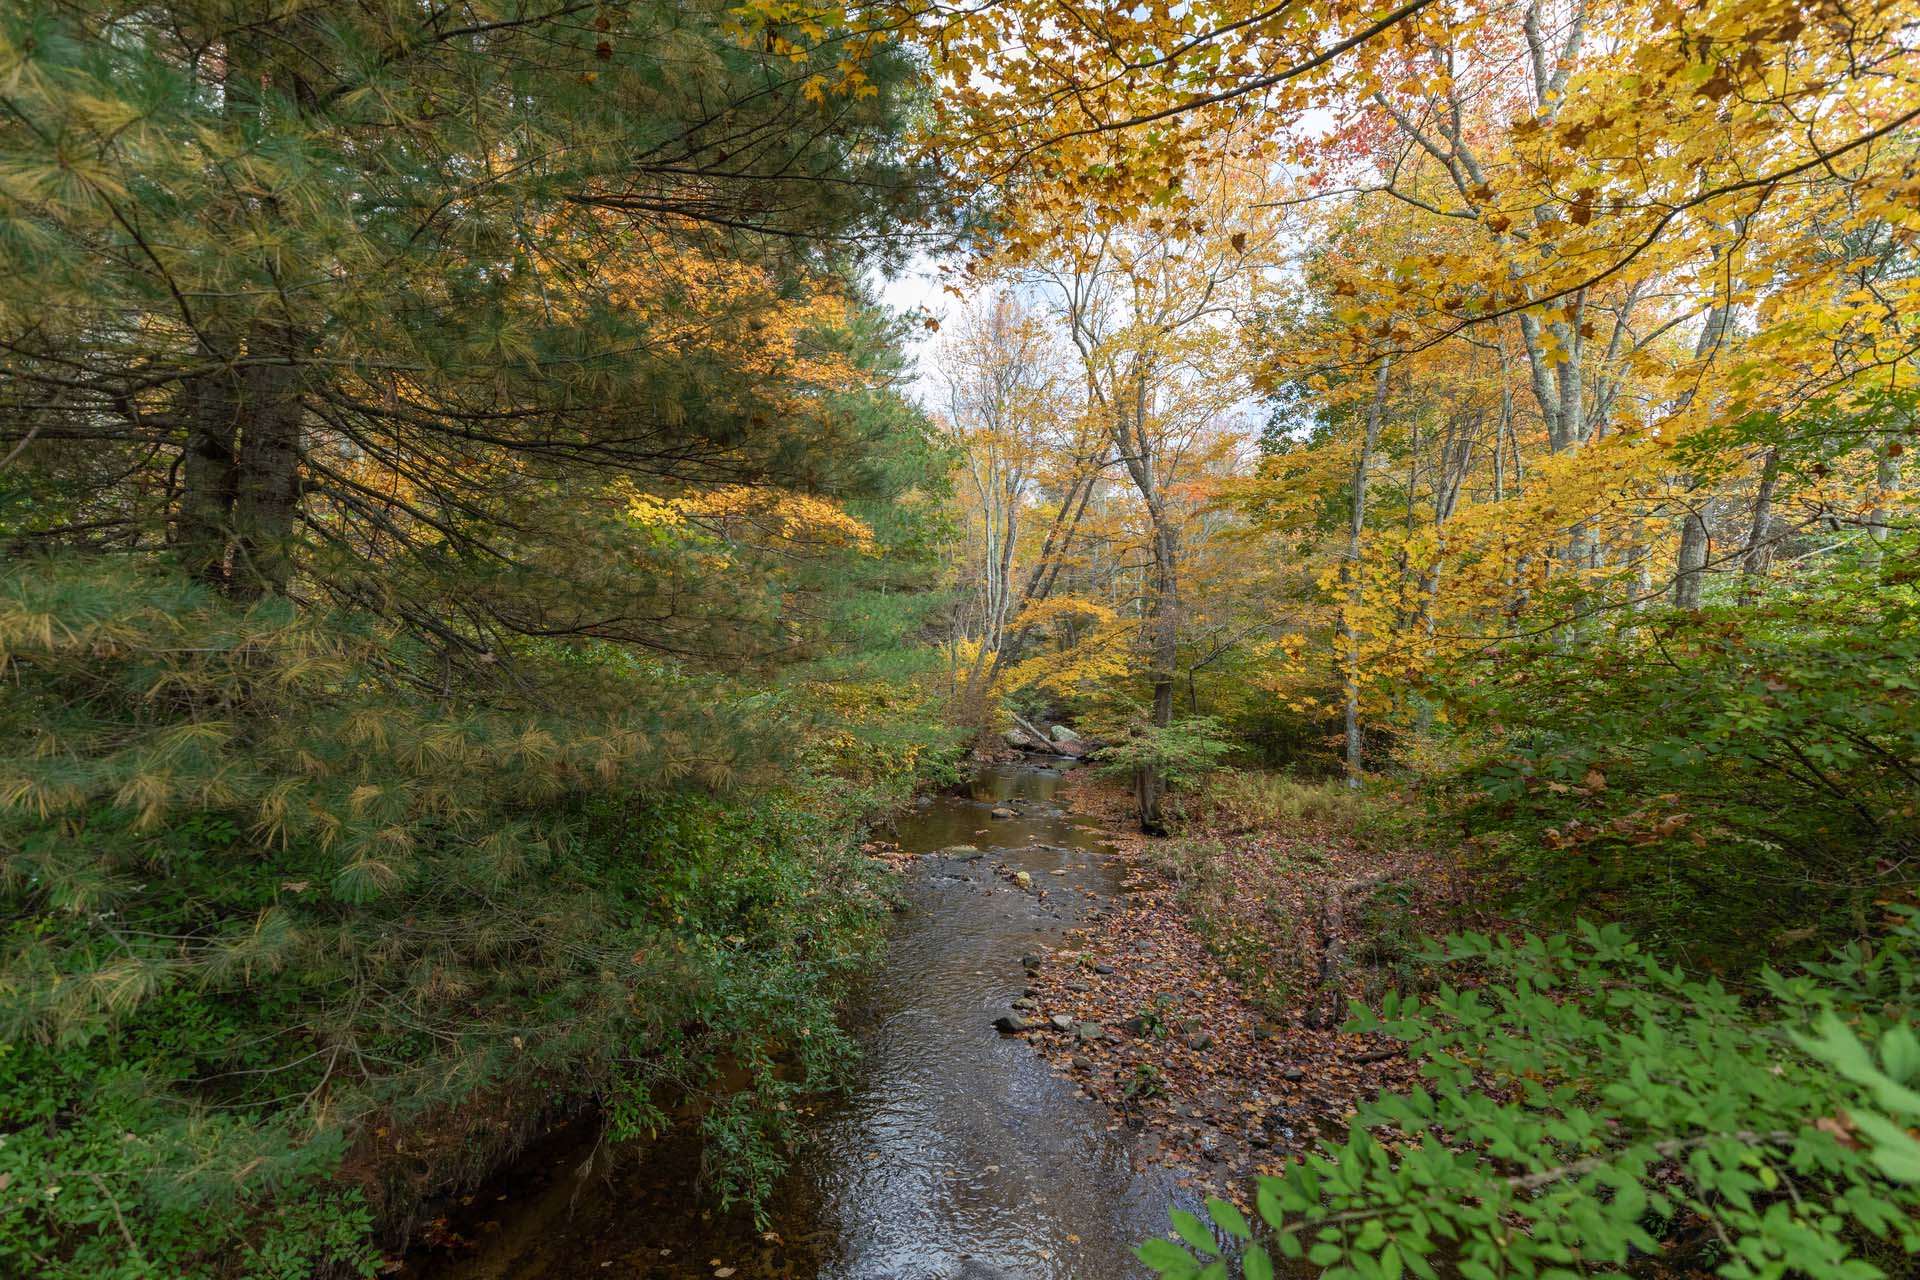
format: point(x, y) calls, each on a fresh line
point(919, 289)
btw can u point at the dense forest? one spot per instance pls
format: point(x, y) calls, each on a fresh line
point(489, 551)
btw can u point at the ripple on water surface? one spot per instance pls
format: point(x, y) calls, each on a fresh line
point(956, 1155)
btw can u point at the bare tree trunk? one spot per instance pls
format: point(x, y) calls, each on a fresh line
point(1328, 1008)
point(1048, 562)
point(1887, 478)
point(266, 484)
point(1350, 576)
point(1149, 785)
point(1696, 547)
point(1696, 540)
point(1759, 552)
point(208, 478)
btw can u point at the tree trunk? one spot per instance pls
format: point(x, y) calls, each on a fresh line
point(1328, 1008)
point(1887, 480)
point(1696, 547)
point(208, 477)
point(1759, 552)
point(266, 492)
point(1696, 541)
point(1350, 573)
point(234, 526)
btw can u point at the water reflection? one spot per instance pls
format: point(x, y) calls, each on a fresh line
point(957, 1154)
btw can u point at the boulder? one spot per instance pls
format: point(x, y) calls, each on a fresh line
point(1060, 733)
point(1061, 1022)
point(1022, 879)
point(1013, 1024)
point(1089, 1031)
point(1001, 811)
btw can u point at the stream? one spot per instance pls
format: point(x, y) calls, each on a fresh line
point(956, 1153)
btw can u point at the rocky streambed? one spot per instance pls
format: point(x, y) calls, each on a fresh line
point(958, 1153)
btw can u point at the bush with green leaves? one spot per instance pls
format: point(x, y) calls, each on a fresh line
point(285, 939)
point(1181, 754)
point(1586, 1109)
point(1725, 782)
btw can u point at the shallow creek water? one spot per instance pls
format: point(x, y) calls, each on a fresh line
point(957, 1154)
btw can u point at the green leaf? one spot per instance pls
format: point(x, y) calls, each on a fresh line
point(1900, 1052)
point(1838, 1047)
point(1268, 1203)
point(1256, 1265)
point(1193, 1231)
point(1895, 1152)
point(1167, 1259)
point(1228, 1218)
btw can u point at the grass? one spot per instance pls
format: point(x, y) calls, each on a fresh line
point(1236, 800)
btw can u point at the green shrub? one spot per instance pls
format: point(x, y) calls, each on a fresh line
point(1587, 1106)
point(289, 940)
point(1182, 753)
point(1728, 783)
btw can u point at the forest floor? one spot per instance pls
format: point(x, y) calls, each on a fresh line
point(1208, 972)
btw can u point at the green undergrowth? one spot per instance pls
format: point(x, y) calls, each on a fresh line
point(1586, 1109)
point(291, 944)
point(1735, 785)
point(1237, 800)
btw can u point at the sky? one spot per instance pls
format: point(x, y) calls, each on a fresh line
point(919, 288)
